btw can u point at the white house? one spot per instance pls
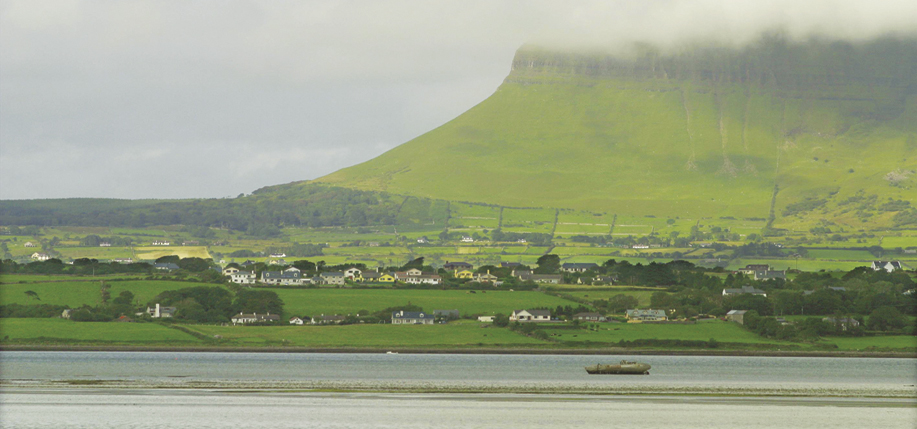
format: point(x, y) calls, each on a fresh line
point(412, 318)
point(530, 316)
point(645, 315)
point(888, 266)
point(243, 318)
point(333, 278)
point(160, 312)
point(30, 244)
point(296, 321)
point(243, 277)
point(160, 243)
point(487, 319)
point(423, 279)
point(353, 273)
point(41, 256)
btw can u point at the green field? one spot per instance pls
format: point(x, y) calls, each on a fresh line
point(312, 302)
point(456, 334)
point(643, 297)
point(890, 342)
point(72, 294)
point(61, 330)
point(723, 332)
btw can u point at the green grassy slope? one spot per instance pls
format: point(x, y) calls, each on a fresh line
point(707, 132)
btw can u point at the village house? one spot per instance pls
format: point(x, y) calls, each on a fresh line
point(39, 256)
point(166, 266)
point(769, 275)
point(555, 279)
point(160, 243)
point(386, 278)
point(637, 316)
point(446, 314)
point(104, 244)
point(750, 269)
point(243, 277)
point(230, 270)
point(296, 321)
point(29, 244)
point(604, 280)
point(744, 290)
point(486, 319)
point(737, 316)
point(485, 277)
point(371, 276)
point(530, 316)
point(456, 266)
point(589, 317)
point(842, 322)
point(571, 267)
point(467, 239)
point(423, 240)
point(412, 318)
point(289, 276)
point(426, 279)
point(160, 312)
point(888, 266)
point(278, 262)
point(333, 278)
point(354, 274)
point(328, 320)
point(464, 274)
point(278, 255)
point(66, 313)
point(401, 275)
point(123, 260)
point(243, 318)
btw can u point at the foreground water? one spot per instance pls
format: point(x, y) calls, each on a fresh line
point(200, 390)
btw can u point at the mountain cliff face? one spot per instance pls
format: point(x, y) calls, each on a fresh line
point(796, 132)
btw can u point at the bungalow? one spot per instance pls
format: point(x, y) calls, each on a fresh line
point(296, 321)
point(769, 275)
point(278, 262)
point(412, 318)
point(242, 318)
point(637, 316)
point(278, 255)
point(521, 241)
point(530, 316)
point(104, 244)
point(604, 280)
point(328, 320)
point(166, 266)
point(160, 243)
point(486, 319)
point(30, 244)
point(589, 317)
point(543, 278)
point(640, 246)
point(571, 267)
point(467, 239)
point(371, 276)
point(464, 274)
point(423, 240)
point(454, 266)
point(160, 312)
point(41, 256)
point(243, 277)
point(333, 278)
point(737, 316)
point(123, 260)
point(428, 279)
point(744, 290)
point(888, 266)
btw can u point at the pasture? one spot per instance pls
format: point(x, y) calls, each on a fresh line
point(65, 331)
point(312, 302)
point(723, 332)
point(456, 334)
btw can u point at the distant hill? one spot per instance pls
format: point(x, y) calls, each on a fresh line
point(801, 133)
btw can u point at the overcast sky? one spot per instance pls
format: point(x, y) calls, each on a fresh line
point(178, 99)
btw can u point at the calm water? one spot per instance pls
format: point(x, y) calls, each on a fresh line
point(202, 390)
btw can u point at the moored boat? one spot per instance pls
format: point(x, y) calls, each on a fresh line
point(624, 367)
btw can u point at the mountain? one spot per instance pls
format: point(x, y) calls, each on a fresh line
point(808, 132)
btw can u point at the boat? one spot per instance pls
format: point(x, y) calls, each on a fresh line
point(624, 367)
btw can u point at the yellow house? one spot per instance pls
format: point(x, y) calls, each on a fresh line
point(386, 278)
point(464, 274)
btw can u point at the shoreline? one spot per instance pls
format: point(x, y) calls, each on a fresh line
point(481, 351)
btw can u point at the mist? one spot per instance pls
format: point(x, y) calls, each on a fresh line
point(156, 99)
